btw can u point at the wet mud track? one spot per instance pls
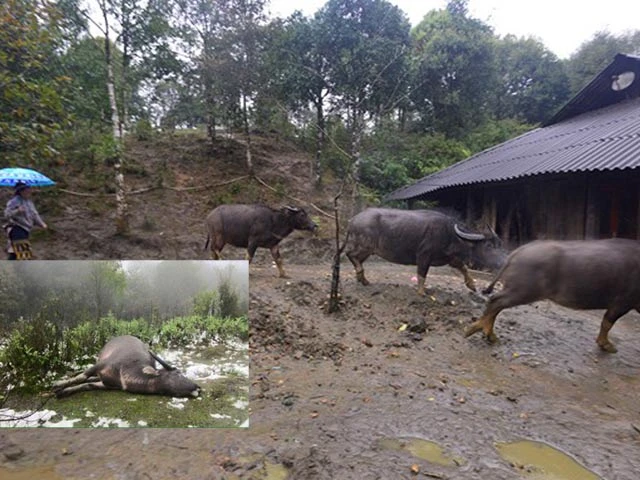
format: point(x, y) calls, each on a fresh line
point(343, 396)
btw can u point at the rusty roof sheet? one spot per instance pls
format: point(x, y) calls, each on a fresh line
point(605, 138)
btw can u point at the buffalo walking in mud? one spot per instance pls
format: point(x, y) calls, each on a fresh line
point(126, 363)
point(583, 275)
point(419, 237)
point(254, 226)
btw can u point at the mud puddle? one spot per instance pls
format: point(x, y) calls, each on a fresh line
point(423, 449)
point(540, 461)
point(40, 473)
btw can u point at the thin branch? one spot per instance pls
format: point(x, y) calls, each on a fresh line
point(158, 187)
point(294, 198)
point(11, 418)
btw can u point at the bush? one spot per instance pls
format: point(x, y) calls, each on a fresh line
point(143, 130)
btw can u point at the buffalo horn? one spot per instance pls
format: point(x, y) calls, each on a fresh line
point(472, 237)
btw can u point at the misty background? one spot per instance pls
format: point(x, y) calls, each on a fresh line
point(77, 291)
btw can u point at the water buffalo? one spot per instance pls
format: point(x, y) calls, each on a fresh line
point(418, 237)
point(583, 275)
point(253, 226)
point(126, 363)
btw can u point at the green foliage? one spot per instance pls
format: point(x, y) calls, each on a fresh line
point(31, 351)
point(453, 70)
point(181, 331)
point(206, 303)
point(494, 132)
point(144, 130)
point(392, 159)
point(84, 63)
point(33, 113)
point(534, 83)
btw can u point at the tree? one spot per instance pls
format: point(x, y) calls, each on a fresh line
point(84, 62)
point(33, 113)
point(299, 74)
point(454, 74)
point(106, 284)
point(241, 62)
point(533, 81)
point(365, 46)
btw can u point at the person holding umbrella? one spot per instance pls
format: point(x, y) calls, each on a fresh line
point(22, 216)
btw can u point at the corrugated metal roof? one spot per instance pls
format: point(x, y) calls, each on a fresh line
point(606, 138)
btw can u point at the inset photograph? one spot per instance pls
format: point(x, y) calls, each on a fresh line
point(124, 344)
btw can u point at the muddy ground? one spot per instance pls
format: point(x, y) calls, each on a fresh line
point(331, 394)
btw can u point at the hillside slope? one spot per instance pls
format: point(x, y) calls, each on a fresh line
point(168, 222)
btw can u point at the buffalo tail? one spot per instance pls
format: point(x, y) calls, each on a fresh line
point(489, 288)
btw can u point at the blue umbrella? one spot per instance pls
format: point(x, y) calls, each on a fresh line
point(10, 176)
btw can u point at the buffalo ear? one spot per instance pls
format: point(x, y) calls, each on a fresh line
point(149, 370)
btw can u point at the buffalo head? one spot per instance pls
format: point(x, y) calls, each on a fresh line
point(172, 382)
point(298, 219)
point(486, 248)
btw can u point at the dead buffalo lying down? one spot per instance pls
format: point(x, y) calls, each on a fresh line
point(253, 226)
point(419, 237)
point(583, 275)
point(126, 363)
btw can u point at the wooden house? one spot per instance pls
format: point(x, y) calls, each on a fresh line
point(577, 176)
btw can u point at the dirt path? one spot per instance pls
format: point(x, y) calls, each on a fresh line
point(333, 397)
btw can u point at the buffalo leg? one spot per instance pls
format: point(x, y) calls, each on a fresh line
point(217, 244)
point(251, 251)
point(65, 392)
point(511, 297)
point(468, 281)
point(610, 317)
point(423, 269)
point(87, 375)
point(275, 254)
point(357, 259)
point(495, 305)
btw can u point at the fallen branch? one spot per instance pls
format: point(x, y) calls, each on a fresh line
point(294, 198)
point(157, 187)
point(211, 185)
point(12, 418)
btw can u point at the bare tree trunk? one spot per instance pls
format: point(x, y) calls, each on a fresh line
point(356, 156)
point(122, 222)
point(247, 134)
point(334, 296)
point(316, 166)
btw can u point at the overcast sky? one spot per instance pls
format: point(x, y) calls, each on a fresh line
point(562, 25)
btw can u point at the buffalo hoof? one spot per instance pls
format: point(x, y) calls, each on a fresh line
point(473, 328)
point(608, 347)
point(492, 338)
